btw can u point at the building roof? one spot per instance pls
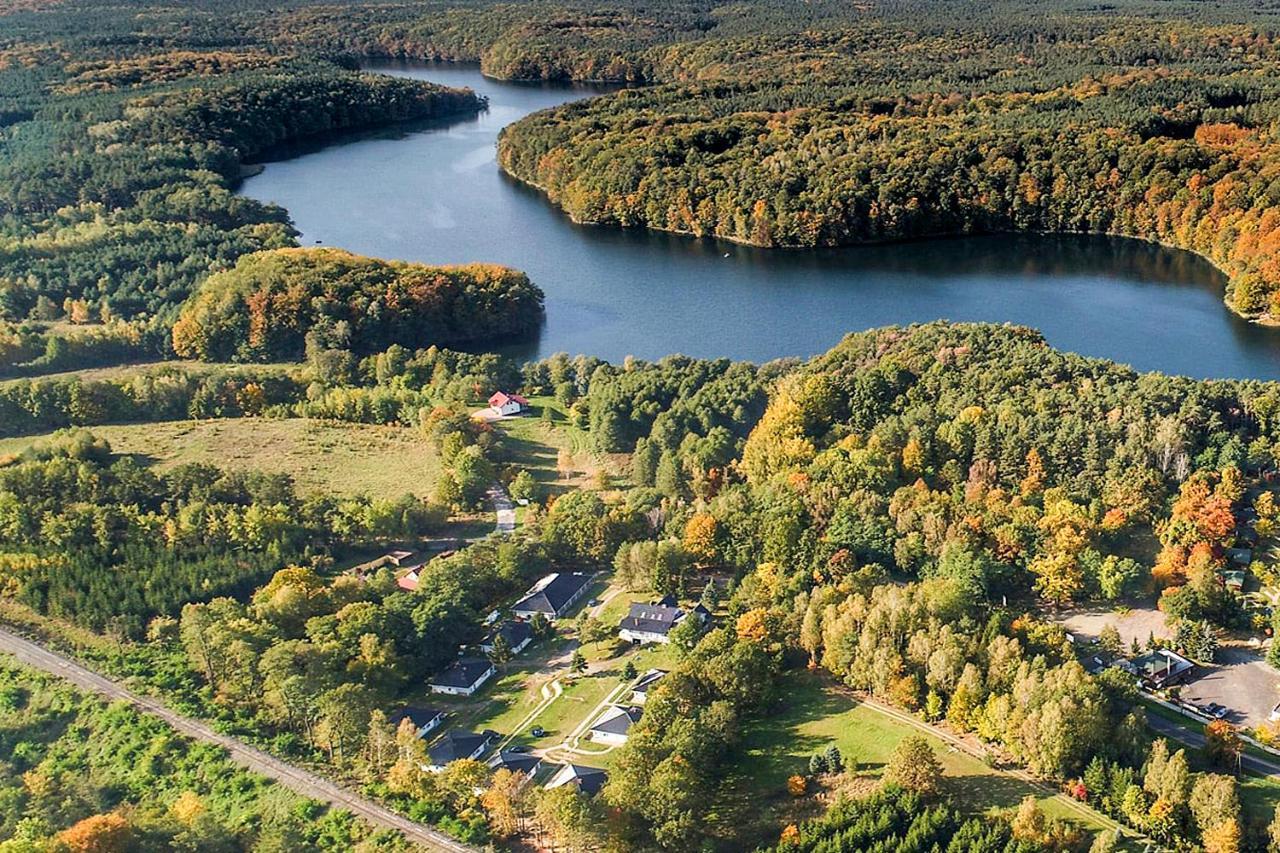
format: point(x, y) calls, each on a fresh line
point(501, 398)
point(651, 618)
point(409, 579)
point(617, 719)
point(516, 762)
point(553, 593)
point(463, 672)
point(589, 780)
point(418, 715)
point(648, 680)
point(1160, 665)
point(456, 744)
point(515, 632)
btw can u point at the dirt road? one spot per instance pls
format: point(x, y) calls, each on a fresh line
point(294, 778)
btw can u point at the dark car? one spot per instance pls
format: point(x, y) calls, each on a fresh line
point(538, 731)
point(520, 749)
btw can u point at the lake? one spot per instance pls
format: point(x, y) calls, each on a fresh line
point(433, 193)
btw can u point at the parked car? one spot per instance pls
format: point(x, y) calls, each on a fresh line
point(1218, 712)
point(519, 749)
point(538, 731)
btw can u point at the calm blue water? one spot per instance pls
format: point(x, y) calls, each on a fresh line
point(435, 194)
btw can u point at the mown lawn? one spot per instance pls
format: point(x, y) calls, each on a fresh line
point(329, 456)
point(815, 717)
point(536, 446)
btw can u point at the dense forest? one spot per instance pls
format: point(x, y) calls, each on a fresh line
point(283, 304)
point(120, 151)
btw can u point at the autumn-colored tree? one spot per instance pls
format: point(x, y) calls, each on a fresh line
point(502, 802)
point(797, 785)
point(101, 833)
point(1170, 569)
point(188, 807)
point(1222, 838)
point(1033, 482)
point(1222, 744)
point(914, 766)
point(700, 533)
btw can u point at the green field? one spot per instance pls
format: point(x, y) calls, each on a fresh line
point(817, 716)
point(330, 456)
point(535, 446)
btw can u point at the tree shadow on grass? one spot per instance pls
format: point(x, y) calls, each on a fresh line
point(981, 793)
point(538, 459)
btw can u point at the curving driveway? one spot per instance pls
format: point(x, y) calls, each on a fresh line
point(294, 778)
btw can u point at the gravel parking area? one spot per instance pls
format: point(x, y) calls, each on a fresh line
point(1138, 623)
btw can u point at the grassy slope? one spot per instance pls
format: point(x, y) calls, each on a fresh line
point(816, 717)
point(320, 455)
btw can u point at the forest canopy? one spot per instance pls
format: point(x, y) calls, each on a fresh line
point(277, 305)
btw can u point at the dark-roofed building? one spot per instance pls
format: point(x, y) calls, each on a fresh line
point(553, 595)
point(589, 780)
point(456, 745)
point(645, 685)
point(518, 634)
point(523, 764)
point(612, 726)
point(1158, 669)
point(425, 720)
point(463, 677)
point(650, 623)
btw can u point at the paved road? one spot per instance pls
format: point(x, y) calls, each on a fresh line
point(503, 507)
point(307, 784)
point(1192, 738)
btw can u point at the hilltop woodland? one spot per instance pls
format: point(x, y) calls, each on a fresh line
point(872, 508)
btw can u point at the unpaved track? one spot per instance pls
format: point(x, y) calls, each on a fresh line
point(294, 778)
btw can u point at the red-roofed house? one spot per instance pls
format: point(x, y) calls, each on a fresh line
point(503, 403)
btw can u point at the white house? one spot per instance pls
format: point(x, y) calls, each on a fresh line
point(523, 764)
point(504, 404)
point(463, 677)
point(650, 623)
point(645, 685)
point(612, 726)
point(425, 720)
point(517, 633)
point(552, 596)
point(589, 780)
point(456, 745)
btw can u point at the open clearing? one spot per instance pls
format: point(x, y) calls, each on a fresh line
point(342, 458)
point(816, 717)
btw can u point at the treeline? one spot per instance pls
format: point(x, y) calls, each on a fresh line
point(75, 779)
point(109, 544)
point(284, 304)
point(397, 386)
